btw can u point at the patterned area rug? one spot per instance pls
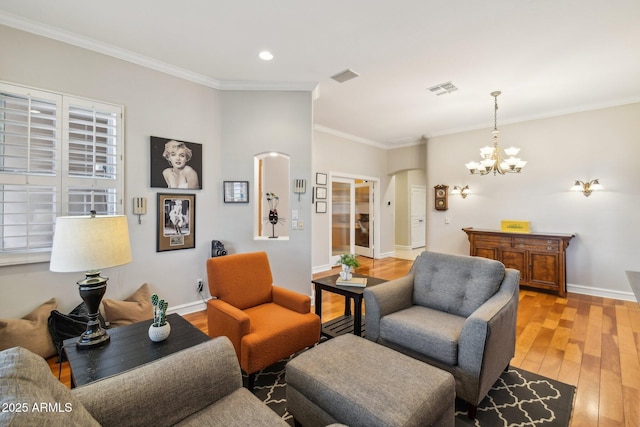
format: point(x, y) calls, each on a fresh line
point(521, 398)
point(518, 398)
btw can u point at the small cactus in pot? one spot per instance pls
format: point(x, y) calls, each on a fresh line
point(159, 310)
point(160, 328)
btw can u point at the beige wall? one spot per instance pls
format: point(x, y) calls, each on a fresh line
point(339, 156)
point(602, 144)
point(407, 158)
point(403, 182)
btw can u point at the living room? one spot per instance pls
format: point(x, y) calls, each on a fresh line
point(561, 146)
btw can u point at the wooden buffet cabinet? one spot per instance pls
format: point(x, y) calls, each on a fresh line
point(540, 257)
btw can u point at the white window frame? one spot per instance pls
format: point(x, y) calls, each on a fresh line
point(66, 184)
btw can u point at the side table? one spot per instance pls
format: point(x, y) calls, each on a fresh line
point(346, 323)
point(128, 348)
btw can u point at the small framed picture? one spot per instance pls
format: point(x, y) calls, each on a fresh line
point(321, 207)
point(321, 178)
point(236, 191)
point(176, 222)
point(321, 193)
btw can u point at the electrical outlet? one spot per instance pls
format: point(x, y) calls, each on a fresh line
point(300, 225)
point(200, 284)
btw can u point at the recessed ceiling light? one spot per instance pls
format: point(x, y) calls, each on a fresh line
point(265, 55)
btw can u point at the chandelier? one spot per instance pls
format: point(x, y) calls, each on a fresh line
point(492, 159)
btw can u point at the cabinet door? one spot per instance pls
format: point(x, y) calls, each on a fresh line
point(516, 260)
point(486, 252)
point(489, 246)
point(544, 269)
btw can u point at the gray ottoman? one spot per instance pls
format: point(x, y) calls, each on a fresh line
point(356, 382)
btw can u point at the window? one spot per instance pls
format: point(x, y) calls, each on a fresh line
point(59, 155)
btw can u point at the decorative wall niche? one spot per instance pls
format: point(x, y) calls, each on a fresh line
point(271, 173)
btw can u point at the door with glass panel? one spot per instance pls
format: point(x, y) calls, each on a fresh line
point(342, 217)
point(363, 220)
point(351, 217)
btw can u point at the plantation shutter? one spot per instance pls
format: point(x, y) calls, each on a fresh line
point(59, 155)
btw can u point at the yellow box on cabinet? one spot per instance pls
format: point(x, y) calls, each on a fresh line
point(515, 226)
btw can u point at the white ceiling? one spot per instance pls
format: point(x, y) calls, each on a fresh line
point(548, 57)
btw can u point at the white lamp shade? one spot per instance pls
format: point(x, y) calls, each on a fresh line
point(486, 152)
point(472, 166)
point(596, 186)
point(85, 243)
point(512, 151)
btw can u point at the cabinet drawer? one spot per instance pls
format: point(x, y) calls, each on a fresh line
point(493, 241)
point(547, 245)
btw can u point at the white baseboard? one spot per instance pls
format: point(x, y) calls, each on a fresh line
point(190, 307)
point(386, 254)
point(600, 292)
point(320, 268)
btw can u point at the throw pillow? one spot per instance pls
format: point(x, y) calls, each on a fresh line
point(64, 326)
point(30, 332)
point(31, 396)
point(135, 308)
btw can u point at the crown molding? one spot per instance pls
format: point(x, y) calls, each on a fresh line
point(268, 86)
point(348, 136)
point(58, 34)
point(548, 115)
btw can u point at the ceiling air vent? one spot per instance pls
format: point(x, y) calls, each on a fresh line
point(345, 75)
point(442, 88)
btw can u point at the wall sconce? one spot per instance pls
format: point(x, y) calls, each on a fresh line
point(462, 191)
point(587, 187)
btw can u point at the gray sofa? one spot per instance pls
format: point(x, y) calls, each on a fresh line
point(199, 386)
point(455, 312)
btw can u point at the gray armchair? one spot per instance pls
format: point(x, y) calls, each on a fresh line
point(455, 312)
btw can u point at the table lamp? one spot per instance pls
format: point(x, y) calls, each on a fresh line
point(90, 243)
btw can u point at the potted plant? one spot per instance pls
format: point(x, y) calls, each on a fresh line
point(348, 262)
point(160, 328)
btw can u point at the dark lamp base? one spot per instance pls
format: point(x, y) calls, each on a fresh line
point(92, 289)
point(87, 341)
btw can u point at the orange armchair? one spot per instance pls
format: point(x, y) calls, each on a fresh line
point(264, 322)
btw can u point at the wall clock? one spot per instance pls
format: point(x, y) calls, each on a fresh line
point(441, 197)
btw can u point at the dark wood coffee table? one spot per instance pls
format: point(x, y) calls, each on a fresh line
point(128, 348)
point(346, 323)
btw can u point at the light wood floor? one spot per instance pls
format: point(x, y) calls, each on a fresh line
point(590, 342)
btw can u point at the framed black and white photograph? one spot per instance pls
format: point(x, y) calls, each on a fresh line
point(236, 191)
point(321, 207)
point(176, 222)
point(321, 193)
point(175, 164)
point(321, 178)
